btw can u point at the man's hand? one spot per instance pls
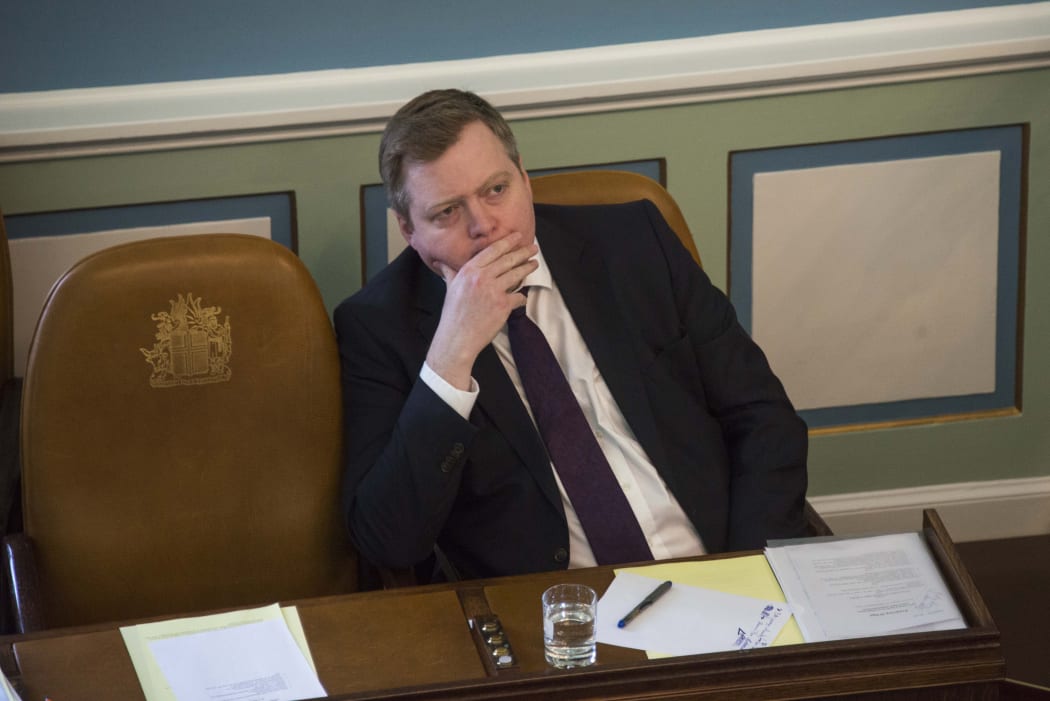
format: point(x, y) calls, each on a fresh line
point(479, 298)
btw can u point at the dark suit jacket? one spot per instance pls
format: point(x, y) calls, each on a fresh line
point(695, 389)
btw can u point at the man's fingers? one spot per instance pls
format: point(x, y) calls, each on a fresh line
point(503, 262)
point(516, 275)
point(497, 250)
point(515, 260)
point(514, 278)
point(494, 250)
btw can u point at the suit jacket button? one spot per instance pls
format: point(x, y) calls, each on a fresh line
point(561, 555)
point(453, 457)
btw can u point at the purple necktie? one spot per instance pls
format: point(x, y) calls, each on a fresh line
point(611, 527)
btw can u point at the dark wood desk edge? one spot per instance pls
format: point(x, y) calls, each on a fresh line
point(939, 659)
point(972, 654)
point(954, 572)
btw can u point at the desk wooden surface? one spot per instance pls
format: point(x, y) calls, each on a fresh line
point(415, 643)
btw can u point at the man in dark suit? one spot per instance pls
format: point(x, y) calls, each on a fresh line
point(443, 454)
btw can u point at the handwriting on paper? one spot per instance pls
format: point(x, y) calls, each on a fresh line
point(764, 631)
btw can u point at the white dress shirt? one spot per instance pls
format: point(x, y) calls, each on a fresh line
point(667, 529)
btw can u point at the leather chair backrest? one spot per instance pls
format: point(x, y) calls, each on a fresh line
point(612, 187)
point(10, 399)
point(181, 433)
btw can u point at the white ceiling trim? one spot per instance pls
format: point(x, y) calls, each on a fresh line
point(65, 123)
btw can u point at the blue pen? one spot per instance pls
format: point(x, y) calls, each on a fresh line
point(645, 603)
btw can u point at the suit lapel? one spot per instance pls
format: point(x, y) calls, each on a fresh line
point(588, 292)
point(429, 299)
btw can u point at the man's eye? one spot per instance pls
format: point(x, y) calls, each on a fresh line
point(444, 213)
point(498, 189)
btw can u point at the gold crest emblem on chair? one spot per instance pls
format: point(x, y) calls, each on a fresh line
point(192, 347)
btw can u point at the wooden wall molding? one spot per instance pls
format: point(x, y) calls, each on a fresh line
point(971, 510)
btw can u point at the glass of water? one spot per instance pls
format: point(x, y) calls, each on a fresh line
point(569, 612)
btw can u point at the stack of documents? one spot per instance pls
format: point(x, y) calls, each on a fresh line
point(860, 587)
point(712, 606)
point(251, 655)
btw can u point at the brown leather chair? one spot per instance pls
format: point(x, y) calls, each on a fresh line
point(10, 390)
point(7, 323)
point(10, 401)
point(613, 187)
point(181, 437)
point(616, 186)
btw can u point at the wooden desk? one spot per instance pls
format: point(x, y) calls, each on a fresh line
point(415, 644)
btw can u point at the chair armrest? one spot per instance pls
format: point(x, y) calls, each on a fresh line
point(815, 524)
point(21, 574)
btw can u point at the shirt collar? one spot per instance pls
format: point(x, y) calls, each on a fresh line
point(541, 276)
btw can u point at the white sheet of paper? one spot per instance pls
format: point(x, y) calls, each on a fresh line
point(857, 587)
point(687, 620)
point(252, 662)
point(137, 639)
point(9, 691)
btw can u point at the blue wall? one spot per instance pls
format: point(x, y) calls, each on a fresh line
point(58, 44)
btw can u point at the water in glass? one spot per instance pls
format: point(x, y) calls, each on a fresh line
point(568, 634)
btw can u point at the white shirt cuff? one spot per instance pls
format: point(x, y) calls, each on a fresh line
point(462, 402)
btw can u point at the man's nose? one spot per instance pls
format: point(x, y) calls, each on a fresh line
point(482, 221)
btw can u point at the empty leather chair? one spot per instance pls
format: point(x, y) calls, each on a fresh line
point(182, 437)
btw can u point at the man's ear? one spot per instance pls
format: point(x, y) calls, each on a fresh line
point(405, 225)
point(525, 176)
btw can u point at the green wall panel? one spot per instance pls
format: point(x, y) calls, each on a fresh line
point(326, 175)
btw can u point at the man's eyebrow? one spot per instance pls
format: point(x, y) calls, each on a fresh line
point(438, 206)
point(489, 182)
point(493, 179)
